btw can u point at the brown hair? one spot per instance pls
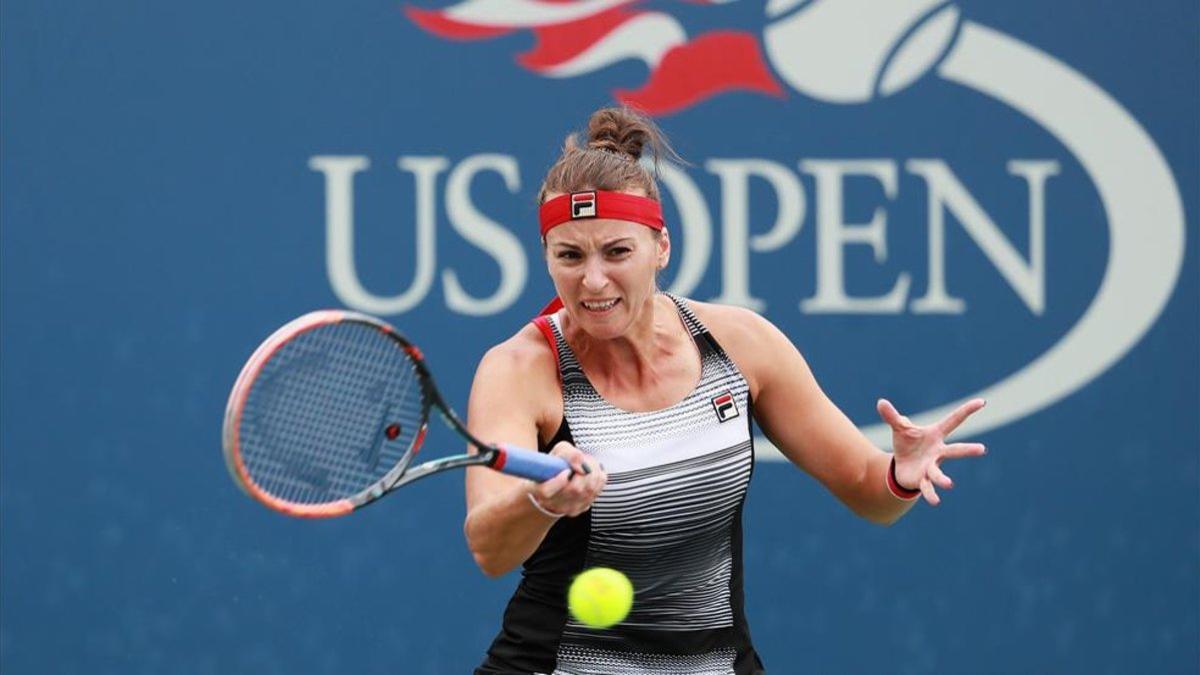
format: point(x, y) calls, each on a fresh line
point(616, 138)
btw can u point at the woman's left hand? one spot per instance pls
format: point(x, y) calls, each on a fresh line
point(919, 451)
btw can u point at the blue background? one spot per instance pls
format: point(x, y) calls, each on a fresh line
point(159, 218)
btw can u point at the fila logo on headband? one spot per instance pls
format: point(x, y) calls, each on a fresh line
point(725, 406)
point(583, 205)
point(572, 206)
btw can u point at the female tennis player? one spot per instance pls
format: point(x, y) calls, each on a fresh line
point(654, 395)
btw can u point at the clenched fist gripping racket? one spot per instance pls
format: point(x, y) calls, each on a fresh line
point(329, 412)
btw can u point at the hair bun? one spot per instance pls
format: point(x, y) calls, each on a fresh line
point(621, 131)
point(615, 140)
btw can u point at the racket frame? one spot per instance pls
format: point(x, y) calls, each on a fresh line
point(488, 455)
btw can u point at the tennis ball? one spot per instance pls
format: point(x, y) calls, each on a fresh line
point(600, 597)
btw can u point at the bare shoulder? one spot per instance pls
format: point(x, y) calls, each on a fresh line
point(526, 355)
point(519, 377)
point(736, 328)
point(753, 342)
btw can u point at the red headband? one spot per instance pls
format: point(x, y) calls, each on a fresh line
point(600, 204)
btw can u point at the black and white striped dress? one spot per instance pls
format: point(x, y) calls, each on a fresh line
point(669, 518)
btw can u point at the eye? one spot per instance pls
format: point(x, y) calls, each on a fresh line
point(567, 254)
point(619, 251)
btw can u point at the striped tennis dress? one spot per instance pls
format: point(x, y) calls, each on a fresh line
point(669, 518)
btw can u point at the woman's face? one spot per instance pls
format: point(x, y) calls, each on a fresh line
point(604, 271)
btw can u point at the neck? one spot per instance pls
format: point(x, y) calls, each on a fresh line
point(635, 356)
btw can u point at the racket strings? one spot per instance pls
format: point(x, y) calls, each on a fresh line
point(316, 422)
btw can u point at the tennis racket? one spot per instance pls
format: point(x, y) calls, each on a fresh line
point(330, 411)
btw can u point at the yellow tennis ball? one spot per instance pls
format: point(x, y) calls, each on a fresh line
point(600, 597)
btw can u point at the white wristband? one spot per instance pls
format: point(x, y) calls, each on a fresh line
point(533, 500)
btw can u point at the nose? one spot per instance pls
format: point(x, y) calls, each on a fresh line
point(594, 276)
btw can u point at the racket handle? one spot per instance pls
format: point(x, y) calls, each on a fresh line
point(524, 463)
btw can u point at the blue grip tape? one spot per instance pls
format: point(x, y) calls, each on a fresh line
point(529, 464)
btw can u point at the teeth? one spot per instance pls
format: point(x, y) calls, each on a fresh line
point(600, 306)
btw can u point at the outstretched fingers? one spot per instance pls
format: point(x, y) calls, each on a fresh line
point(960, 450)
point(929, 493)
point(939, 479)
point(951, 422)
point(891, 416)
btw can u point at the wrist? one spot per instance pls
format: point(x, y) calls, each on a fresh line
point(898, 491)
point(544, 511)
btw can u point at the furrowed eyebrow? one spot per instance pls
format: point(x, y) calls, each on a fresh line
point(615, 242)
point(607, 244)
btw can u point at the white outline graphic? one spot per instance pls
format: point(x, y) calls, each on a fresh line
point(1146, 223)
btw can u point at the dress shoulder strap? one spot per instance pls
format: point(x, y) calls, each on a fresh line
point(570, 373)
point(543, 325)
point(700, 333)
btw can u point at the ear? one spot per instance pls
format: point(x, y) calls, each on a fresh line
point(664, 249)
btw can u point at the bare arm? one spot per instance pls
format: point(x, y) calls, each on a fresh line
point(508, 400)
point(818, 437)
point(815, 434)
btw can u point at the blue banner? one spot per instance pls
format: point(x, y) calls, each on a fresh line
point(934, 200)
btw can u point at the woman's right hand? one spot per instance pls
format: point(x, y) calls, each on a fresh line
point(571, 492)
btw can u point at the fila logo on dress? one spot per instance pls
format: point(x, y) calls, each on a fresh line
point(583, 205)
point(725, 406)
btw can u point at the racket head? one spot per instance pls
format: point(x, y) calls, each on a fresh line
point(326, 415)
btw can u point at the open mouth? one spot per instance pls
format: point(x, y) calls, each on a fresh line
point(599, 306)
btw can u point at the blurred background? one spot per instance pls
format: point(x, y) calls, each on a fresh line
point(934, 200)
